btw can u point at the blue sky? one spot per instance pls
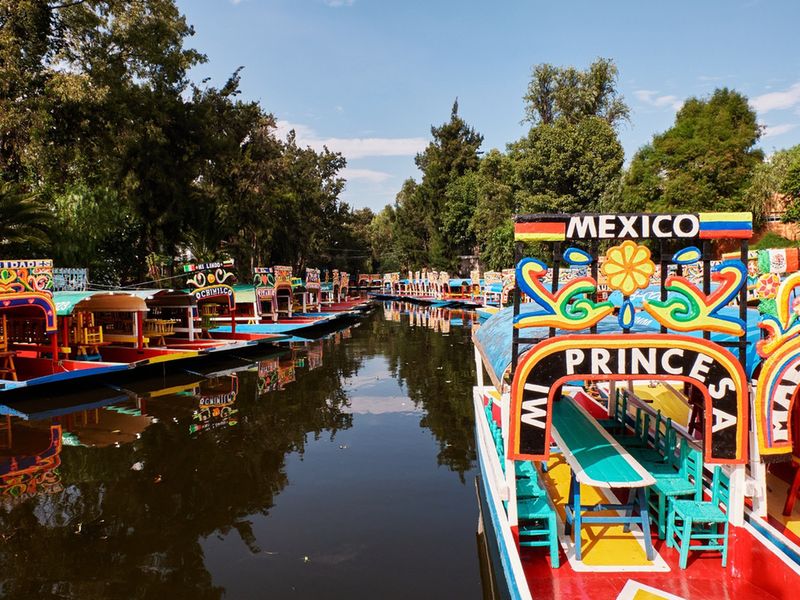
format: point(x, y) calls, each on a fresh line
point(369, 77)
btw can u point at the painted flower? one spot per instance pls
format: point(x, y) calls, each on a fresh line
point(628, 267)
point(767, 286)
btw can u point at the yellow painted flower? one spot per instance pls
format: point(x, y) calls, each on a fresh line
point(628, 267)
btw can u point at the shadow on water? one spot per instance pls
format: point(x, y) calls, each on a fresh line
point(339, 469)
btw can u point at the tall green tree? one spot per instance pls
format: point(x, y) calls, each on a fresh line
point(704, 161)
point(568, 93)
point(452, 153)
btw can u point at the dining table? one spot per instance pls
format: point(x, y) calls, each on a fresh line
point(596, 459)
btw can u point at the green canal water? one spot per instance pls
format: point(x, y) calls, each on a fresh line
point(343, 468)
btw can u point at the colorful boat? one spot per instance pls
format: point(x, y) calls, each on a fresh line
point(622, 448)
point(31, 352)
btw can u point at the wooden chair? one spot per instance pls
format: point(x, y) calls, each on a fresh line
point(158, 329)
point(695, 520)
point(537, 517)
point(619, 408)
point(664, 442)
point(669, 486)
point(641, 431)
point(208, 313)
point(8, 369)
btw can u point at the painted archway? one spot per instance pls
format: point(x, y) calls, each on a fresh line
point(776, 393)
point(550, 364)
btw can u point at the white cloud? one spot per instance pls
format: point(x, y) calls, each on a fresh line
point(338, 3)
point(777, 100)
point(775, 130)
point(353, 148)
point(350, 173)
point(652, 98)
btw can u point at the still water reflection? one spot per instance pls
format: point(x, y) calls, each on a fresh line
point(343, 468)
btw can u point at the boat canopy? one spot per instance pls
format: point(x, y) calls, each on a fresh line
point(165, 298)
point(68, 302)
point(459, 282)
point(244, 293)
point(493, 337)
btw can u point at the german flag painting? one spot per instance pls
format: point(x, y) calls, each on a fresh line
point(542, 231)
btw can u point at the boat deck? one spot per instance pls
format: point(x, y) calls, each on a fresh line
point(614, 559)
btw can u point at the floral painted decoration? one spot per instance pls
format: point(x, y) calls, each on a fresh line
point(767, 286)
point(628, 267)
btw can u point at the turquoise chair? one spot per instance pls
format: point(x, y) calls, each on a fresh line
point(664, 442)
point(537, 518)
point(695, 520)
point(641, 431)
point(688, 481)
point(619, 408)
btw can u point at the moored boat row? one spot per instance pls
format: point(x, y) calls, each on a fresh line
point(51, 337)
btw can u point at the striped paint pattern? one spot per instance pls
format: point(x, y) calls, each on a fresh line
point(540, 232)
point(737, 225)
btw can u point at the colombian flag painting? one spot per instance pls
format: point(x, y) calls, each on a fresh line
point(737, 225)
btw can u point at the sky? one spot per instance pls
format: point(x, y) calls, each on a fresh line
point(368, 78)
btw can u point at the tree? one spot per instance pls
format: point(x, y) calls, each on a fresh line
point(776, 176)
point(452, 153)
point(566, 167)
point(381, 233)
point(568, 93)
point(23, 221)
point(412, 227)
point(705, 161)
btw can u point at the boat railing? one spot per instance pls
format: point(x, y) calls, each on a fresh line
point(645, 406)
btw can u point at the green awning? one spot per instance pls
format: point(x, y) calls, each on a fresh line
point(65, 301)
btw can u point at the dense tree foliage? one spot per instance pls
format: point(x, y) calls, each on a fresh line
point(776, 176)
point(105, 140)
point(429, 220)
point(703, 162)
point(567, 93)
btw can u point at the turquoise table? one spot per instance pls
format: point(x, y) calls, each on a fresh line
point(596, 459)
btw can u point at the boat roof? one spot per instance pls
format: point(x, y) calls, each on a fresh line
point(112, 301)
point(493, 337)
point(244, 293)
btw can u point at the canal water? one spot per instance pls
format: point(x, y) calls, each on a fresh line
point(343, 468)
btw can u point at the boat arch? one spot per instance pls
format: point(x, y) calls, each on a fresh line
point(554, 362)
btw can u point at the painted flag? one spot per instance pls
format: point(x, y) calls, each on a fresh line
point(541, 231)
point(737, 225)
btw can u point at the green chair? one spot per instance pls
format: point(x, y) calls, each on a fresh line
point(695, 520)
point(536, 516)
point(619, 408)
point(529, 487)
point(524, 468)
point(641, 431)
point(664, 441)
point(688, 481)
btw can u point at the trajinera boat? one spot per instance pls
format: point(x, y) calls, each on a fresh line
point(636, 441)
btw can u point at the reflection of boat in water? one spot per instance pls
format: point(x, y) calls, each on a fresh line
point(29, 459)
point(615, 448)
point(215, 404)
point(436, 318)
